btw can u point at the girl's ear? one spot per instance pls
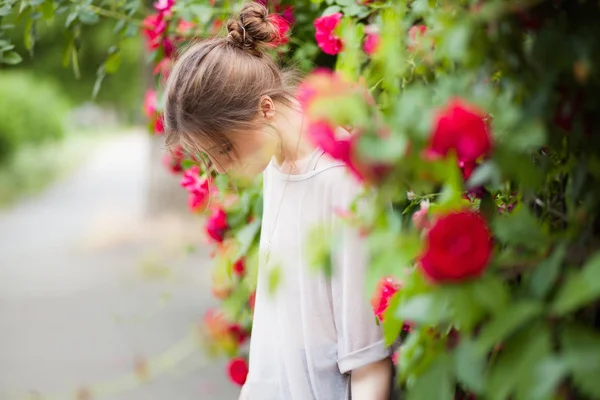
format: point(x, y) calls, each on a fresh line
point(267, 107)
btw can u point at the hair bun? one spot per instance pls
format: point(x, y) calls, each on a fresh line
point(253, 29)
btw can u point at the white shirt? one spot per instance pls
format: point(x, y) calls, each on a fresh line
point(313, 330)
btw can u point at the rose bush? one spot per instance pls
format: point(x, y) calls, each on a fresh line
point(484, 113)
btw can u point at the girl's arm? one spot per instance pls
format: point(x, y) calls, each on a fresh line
point(373, 381)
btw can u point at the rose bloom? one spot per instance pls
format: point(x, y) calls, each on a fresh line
point(420, 218)
point(150, 103)
point(164, 6)
point(198, 197)
point(238, 370)
point(457, 247)
point(172, 160)
point(153, 28)
point(239, 268)
point(371, 43)
point(216, 225)
point(238, 333)
point(461, 128)
point(283, 28)
point(414, 35)
point(325, 37)
point(159, 128)
point(386, 288)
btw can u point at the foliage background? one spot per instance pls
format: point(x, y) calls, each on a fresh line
point(526, 327)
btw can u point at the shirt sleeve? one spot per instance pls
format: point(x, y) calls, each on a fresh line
point(360, 338)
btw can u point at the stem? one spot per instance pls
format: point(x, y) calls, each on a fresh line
point(113, 14)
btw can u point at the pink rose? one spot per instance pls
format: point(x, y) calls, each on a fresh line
point(216, 225)
point(150, 103)
point(164, 6)
point(153, 28)
point(414, 36)
point(371, 43)
point(325, 37)
point(283, 28)
point(420, 218)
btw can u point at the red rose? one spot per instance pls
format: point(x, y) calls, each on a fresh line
point(457, 247)
point(216, 225)
point(326, 39)
point(386, 288)
point(461, 128)
point(238, 370)
point(239, 267)
point(238, 333)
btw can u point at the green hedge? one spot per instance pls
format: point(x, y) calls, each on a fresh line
point(31, 111)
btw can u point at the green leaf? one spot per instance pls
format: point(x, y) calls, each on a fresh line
point(245, 237)
point(11, 58)
point(353, 10)
point(435, 383)
point(540, 281)
point(517, 363)
point(469, 365)
point(100, 74)
point(88, 17)
point(47, 8)
point(71, 18)
point(547, 375)
point(520, 227)
point(113, 62)
point(392, 325)
point(581, 349)
point(581, 288)
point(466, 313)
point(331, 10)
point(506, 322)
point(427, 309)
point(486, 173)
point(491, 293)
point(29, 38)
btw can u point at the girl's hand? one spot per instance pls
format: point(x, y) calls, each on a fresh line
point(373, 381)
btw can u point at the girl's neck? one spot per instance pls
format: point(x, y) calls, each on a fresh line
point(294, 146)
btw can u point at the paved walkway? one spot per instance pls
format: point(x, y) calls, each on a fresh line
point(89, 289)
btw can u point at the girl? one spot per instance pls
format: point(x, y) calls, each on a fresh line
point(316, 336)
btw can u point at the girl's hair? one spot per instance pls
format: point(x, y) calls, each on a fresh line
point(216, 85)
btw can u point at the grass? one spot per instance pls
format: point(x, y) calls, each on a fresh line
point(34, 168)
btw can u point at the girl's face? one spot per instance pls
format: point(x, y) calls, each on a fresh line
point(247, 156)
